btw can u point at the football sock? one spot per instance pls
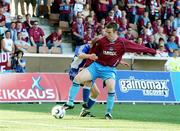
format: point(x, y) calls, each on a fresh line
point(110, 102)
point(73, 92)
point(90, 102)
point(86, 92)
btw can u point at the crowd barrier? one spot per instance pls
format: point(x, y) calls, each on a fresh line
point(61, 62)
point(131, 86)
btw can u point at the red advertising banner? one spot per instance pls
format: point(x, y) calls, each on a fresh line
point(35, 87)
point(4, 58)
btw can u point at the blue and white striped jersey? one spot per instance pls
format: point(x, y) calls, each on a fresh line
point(77, 62)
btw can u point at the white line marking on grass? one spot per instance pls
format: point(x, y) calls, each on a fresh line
point(56, 126)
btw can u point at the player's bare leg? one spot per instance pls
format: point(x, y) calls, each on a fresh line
point(110, 84)
point(80, 78)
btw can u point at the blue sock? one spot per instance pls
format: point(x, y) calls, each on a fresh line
point(73, 92)
point(86, 92)
point(110, 102)
point(90, 102)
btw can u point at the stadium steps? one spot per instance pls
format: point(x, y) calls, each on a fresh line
point(66, 39)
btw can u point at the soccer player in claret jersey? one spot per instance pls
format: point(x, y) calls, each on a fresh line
point(81, 54)
point(109, 51)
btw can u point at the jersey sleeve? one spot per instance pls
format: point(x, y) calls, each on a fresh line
point(84, 49)
point(133, 47)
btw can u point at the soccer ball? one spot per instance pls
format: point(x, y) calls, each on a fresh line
point(58, 112)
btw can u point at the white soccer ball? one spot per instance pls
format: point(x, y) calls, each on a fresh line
point(58, 112)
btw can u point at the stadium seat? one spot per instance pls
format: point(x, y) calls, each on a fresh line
point(31, 49)
point(55, 50)
point(43, 50)
point(54, 18)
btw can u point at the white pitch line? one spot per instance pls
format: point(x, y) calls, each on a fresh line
point(56, 126)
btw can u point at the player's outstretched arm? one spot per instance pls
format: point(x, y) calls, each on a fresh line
point(88, 56)
point(134, 47)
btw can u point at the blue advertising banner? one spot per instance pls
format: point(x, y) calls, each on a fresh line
point(137, 86)
point(175, 77)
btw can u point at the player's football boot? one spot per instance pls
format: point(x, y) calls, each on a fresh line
point(84, 112)
point(67, 107)
point(108, 116)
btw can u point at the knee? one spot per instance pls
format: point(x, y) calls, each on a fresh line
point(94, 95)
point(78, 79)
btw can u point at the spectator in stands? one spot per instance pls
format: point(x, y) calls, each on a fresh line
point(102, 9)
point(24, 33)
point(168, 28)
point(41, 2)
point(155, 8)
point(7, 15)
point(123, 27)
point(176, 22)
point(86, 11)
point(13, 31)
point(177, 7)
point(140, 5)
point(28, 22)
point(156, 25)
point(100, 26)
point(7, 44)
point(143, 21)
point(90, 23)
point(20, 19)
point(78, 30)
point(88, 36)
point(174, 33)
point(36, 33)
point(18, 63)
point(171, 46)
point(110, 17)
point(151, 43)
point(173, 63)
point(2, 17)
point(160, 34)
point(20, 43)
point(161, 51)
point(65, 10)
point(54, 39)
point(144, 35)
point(117, 12)
point(16, 2)
point(140, 42)
point(150, 30)
point(78, 6)
point(168, 8)
point(93, 15)
point(131, 10)
point(33, 3)
point(129, 34)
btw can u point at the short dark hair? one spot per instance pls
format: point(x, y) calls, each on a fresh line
point(7, 31)
point(112, 25)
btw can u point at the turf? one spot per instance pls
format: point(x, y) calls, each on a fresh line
point(139, 117)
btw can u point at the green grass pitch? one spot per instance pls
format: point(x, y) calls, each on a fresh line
point(127, 117)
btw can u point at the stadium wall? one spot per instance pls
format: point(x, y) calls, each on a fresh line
point(61, 63)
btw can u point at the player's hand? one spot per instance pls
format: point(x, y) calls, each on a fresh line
point(125, 64)
point(80, 69)
point(93, 57)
